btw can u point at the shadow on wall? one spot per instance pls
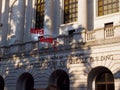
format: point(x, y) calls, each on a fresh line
point(14, 66)
point(1, 83)
point(117, 78)
point(80, 61)
point(4, 21)
point(22, 64)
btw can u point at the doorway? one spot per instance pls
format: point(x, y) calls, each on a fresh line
point(1, 83)
point(101, 78)
point(25, 82)
point(60, 79)
point(104, 81)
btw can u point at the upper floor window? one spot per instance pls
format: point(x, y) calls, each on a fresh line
point(109, 25)
point(109, 30)
point(40, 9)
point(107, 7)
point(70, 11)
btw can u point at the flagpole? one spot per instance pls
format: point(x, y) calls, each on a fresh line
point(54, 47)
point(38, 48)
point(42, 38)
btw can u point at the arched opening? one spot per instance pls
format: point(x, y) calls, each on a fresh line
point(25, 82)
point(104, 81)
point(1, 83)
point(100, 78)
point(60, 79)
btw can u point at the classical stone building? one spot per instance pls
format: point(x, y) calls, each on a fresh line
point(84, 55)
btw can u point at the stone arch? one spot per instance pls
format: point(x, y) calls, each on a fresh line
point(1, 83)
point(60, 79)
point(93, 75)
point(25, 82)
point(117, 79)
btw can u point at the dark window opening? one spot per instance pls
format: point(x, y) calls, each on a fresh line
point(108, 25)
point(71, 32)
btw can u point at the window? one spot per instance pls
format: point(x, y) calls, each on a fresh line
point(104, 81)
point(107, 7)
point(109, 25)
point(69, 38)
point(109, 30)
point(40, 9)
point(70, 11)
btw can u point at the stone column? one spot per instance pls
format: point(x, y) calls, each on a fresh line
point(0, 20)
point(57, 20)
point(48, 24)
point(0, 9)
point(4, 21)
point(17, 21)
point(82, 13)
point(90, 14)
point(28, 19)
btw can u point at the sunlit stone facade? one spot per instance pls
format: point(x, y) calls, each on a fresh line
point(87, 52)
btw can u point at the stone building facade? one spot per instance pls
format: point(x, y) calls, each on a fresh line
point(87, 52)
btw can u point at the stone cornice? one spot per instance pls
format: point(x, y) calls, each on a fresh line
point(104, 42)
point(62, 49)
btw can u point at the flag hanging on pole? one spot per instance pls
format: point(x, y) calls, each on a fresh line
point(37, 31)
point(45, 39)
point(41, 38)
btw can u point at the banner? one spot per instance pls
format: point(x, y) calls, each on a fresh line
point(45, 39)
point(37, 31)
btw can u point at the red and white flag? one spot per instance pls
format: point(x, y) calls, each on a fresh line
point(45, 39)
point(37, 31)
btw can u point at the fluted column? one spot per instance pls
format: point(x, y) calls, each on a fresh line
point(82, 13)
point(17, 21)
point(48, 25)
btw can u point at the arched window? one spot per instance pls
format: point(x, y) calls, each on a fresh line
point(104, 81)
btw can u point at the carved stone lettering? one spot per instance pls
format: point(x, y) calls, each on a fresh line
point(62, 61)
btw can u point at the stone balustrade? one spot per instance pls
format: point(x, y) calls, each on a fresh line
point(90, 35)
point(77, 40)
point(109, 32)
